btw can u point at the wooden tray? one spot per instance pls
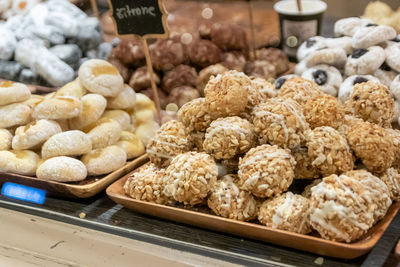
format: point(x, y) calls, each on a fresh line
point(84, 189)
point(207, 220)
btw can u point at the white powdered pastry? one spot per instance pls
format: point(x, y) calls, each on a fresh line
point(14, 115)
point(374, 35)
point(327, 77)
point(392, 52)
point(5, 139)
point(311, 45)
point(11, 92)
point(104, 160)
point(365, 60)
point(58, 108)
point(93, 108)
point(99, 76)
point(19, 161)
point(70, 143)
point(121, 117)
point(34, 134)
point(348, 26)
point(105, 134)
point(124, 100)
point(62, 169)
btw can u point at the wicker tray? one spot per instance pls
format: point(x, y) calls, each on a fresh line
point(84, 189)
point(203, 217)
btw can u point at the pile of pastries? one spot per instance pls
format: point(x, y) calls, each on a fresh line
point(361, 52)
point(239, 149)
point(184, 62)
point(89, 127)
point(44, 43)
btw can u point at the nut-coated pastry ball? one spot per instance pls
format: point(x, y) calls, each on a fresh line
point(266, 170)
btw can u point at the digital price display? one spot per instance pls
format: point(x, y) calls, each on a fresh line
point(24, 193)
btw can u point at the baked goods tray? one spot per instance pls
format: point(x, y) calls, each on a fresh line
point(84, 189)
point(203, 217)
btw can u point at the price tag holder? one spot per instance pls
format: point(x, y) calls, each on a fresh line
point(24, 193)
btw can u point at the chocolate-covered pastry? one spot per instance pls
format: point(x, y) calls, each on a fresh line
point(182, 94)
point(140, 79)
point(234, 60)
point(179, 76)
point(130, 52)
point(276, 56)
point(161, 96)
point(203, 53)
point(229, 37)
point(167, 53)
point(260, 68)
point(123, 70)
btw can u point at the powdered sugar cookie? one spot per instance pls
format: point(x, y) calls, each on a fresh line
point(372, 35)
point(365, 60)
point(392, 52)
point(340, 42)
point(311, 45)
point(327, 77)
point(99, 76)
point(330, 56)
point(11, 92)
point(349, 26)
point(62, 169)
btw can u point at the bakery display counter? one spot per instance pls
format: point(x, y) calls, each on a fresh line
point(105, 217)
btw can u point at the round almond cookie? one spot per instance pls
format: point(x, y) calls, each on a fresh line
point(14, 115)
point(74, 89)
point(368, 36)
point(70, 143)
point(392, 52)
point(124, 100)
point(330, 56)
point(5, 139)
point(227, 94)
point(348, 26)
point(227, 200)
point(104, 133)
point(58, 108)
point(372, 102)
point(62, 169)
point(266, 171)
point(311, 45)
point(190, 177)
point(22, 162)
point(104, 160)
point(289, 212)
point(364, 60)
point(131, 144)
point(347, 87)
point(34, 134)
point(11, 92)
point(100, 77)
point(93, 108)
point(327, 77)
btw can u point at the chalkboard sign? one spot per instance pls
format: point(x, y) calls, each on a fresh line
point(139, 17)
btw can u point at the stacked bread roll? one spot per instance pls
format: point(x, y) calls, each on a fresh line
point(86, 128)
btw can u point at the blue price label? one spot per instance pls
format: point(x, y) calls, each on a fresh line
point(24, 193)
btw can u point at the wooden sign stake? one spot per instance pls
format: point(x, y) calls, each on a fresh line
point(95, 8)
point(150, 70)
point(252, 33)
point(143, 18)
point(299, 5)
